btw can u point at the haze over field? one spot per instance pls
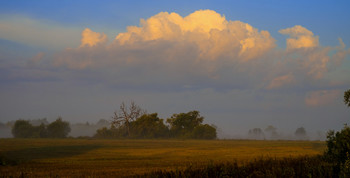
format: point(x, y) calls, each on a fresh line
point(242, 64)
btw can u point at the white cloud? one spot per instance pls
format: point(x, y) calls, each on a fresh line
point(214, 36)
point(300, 37)
point(200, 50)
point(304, 53)
point(90, 38)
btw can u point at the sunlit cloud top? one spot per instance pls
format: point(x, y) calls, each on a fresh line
point(300, 37)
point(208, 30)
point(207, 49)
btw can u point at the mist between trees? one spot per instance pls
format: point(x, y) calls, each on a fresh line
point(128, 122)
point(131, 121)
point(134, 122)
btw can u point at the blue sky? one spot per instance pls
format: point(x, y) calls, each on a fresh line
point(328, 20)
point(242, 64)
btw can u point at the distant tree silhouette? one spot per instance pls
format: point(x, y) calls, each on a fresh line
point(300, 133)
point(182, 125)
point(256, 133)
point(58, 129)
point(125, 115)
point(205, 132)
point(106, 133)
point(23, 129)
point(129, 123)
point(189, 125)
point(149, 126)
point(272, 131)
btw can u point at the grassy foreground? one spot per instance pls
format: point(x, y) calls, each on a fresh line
point(106, 158)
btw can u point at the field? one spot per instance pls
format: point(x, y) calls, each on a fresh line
point(101, 158)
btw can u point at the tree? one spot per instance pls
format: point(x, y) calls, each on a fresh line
point(272, 131)
point(347, 98)
point(256, 133)
point(149, 126)
point(125, 115)
point(204, 132)
point(58, 129)
point(338, 149)
point(105, 133)
point(183, 124)
point(23, 129)
point(338, 144)
point(300, 133)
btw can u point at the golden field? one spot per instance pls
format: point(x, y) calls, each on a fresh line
point(101, 158)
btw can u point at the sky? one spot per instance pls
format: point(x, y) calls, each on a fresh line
point(242, 64)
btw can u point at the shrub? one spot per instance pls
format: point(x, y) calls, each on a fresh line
point(58, 129)
point(204, 132)
point(23, 129)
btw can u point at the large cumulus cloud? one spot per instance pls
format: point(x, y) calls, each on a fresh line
point(210, 32)
point(204, 50)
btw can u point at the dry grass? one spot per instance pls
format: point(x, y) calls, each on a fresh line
point(101, 158)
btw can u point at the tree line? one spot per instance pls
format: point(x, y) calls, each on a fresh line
point(133, 122)
point(56, 129)
point(129, 122)
point(270, 132)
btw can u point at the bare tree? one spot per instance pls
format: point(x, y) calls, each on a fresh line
point(125, 115)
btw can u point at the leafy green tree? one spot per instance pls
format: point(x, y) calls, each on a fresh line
point(183, 124)
point(58, 129)
point(23, 129)
point(149, 126)
point(204, 132)
point(347, 98)
point(338, 144)
point(338, 148)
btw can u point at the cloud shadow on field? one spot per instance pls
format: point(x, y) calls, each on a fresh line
point(15, 157)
